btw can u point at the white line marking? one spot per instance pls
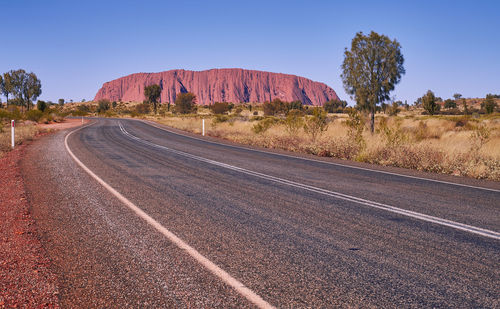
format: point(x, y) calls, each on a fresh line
point(214, 269)
point(318, 161)
point(408, 213)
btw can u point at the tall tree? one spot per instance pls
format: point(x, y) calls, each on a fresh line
point(152, 94)
point(32, 88)
point(7, 86)
point(371, 69)
point(457, 96)
point(26, 87)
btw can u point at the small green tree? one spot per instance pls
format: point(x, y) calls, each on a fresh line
point(465, 107)
point(371, 69)
point(185, 103)
point(152, 94)
point(457, 96)
point(429, 102)
point(394, 109)
point(316, 124)
point(489, 104)
point(449, 103)
point(41, 105)
point(103, 105)
point(60, 102)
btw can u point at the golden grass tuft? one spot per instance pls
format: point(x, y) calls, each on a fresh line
point(23, 132)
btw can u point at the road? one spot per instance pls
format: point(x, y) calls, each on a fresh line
point(146, 217)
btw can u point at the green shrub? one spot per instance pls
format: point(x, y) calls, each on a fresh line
point(219, 119)
point(33, 115)
point(185, 103)
point(78, 113)
point(275, 107)
point(334, 106)
point(264, 125)
point(220, 108)
point(41, 105)
point(316, 124)
point(489, 104)
point(14, 113)
point(393, 109)
point(83, 108)
point(449, 103)
point(103, 106)
point(142, 108)
point(356, 126)
point(4, 115)
point(294, 121)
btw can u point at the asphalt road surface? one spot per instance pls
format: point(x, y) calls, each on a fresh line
point(144, 217)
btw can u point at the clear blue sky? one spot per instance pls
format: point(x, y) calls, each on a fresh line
point(76, 46)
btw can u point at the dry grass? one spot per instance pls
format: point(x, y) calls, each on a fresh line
point(24, 132)
point(442, 144)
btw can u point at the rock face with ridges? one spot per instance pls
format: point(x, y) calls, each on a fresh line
point(219, 85)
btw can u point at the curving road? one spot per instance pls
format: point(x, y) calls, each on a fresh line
point(133, 215)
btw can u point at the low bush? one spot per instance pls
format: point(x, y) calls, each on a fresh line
point(103, 106)
point(33, 115)
point(264, 125)
point(220, 108)
point(294, 121)
point(142, 108)
point(219, 119)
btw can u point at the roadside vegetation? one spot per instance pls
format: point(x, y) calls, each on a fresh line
point(458, 143)
point(21, 89)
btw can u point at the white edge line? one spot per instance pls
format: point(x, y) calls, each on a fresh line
point(213, 268)
point(401, 211)
point(153, 124)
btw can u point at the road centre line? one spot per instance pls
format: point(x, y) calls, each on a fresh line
point(209, 265)
point(319, 161)
point(393, 209)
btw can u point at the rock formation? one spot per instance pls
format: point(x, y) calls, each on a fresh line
point(219, 85)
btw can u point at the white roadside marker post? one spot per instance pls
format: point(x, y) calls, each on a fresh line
point(82, 119)
point(203, 127)
point(12, 125)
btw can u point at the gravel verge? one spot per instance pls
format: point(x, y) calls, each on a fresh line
point(25, 276)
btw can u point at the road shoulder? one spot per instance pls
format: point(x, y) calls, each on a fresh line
point(25, 276)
